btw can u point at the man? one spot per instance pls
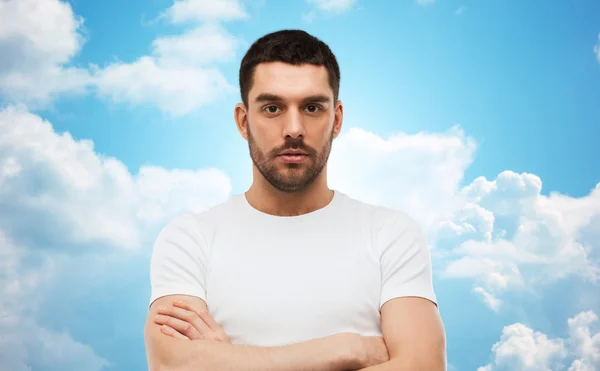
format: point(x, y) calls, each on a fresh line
point(292, 275)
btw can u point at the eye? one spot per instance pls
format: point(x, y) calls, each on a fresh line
point(313, 108)
point(271, 109)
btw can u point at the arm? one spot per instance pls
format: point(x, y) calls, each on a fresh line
point(177, 271)
point(410, 320)
point(414, 334)
point(336, 352)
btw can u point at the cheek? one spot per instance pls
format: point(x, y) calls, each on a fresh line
point(326, 130)
point(265, 140)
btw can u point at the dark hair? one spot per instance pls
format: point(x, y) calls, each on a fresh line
point(295, 47)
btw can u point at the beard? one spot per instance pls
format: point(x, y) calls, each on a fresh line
point(290, 177)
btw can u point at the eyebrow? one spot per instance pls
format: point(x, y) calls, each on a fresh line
point(266, 97)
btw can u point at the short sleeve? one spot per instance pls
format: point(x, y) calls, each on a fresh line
point(178, 260)
point(405, 259)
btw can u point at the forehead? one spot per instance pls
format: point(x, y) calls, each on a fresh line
point(290, 81)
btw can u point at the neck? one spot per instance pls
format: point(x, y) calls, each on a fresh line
point(264, 197)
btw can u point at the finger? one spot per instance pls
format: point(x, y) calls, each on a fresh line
point(171, 332)
point(210, 321)
point(178, 325)
point(202, 313)
point(223, 336)
point(189, 316)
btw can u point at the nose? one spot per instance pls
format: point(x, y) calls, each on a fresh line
point(294, 125)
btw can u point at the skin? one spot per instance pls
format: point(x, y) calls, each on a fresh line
point(293, 107)
point(289, 107)
point(184, 337)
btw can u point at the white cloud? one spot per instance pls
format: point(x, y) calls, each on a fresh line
point(201, 10)
point(332, 5)
point(523, 349)
point(16, 283)
point(164, 193)
point(42, 37)
point(24, 343)
point(38, 39)
point(535, 239)
point(471, 220)
point(179, 75)
point(199, 46)
point(597, 49)
point(175, 90)
point(417, 173)
point(489, 299)
point(585, 341)
point(59, 197)
point(494, 265)
point(74, 196)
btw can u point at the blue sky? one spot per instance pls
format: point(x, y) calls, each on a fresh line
point(479, 118)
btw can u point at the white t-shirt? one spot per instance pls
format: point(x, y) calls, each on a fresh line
point(271, 280)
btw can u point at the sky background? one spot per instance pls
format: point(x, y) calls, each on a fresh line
point(479, 118)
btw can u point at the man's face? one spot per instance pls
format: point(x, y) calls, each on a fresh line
point(291, 108)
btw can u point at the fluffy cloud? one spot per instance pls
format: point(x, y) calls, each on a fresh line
point(176, 91)
point(58, 198)
point(199, 46)
point(180, 75)
point(54, 351)
point(200, 10)
point(52, 181)
point(584, 332)
point(21, 336)
point(530, 238)
point(432, 166)
point(332, 5)
point(42, 37)
point(38, 39)
point(523, 349)
point(17, 284)
point(490, 300)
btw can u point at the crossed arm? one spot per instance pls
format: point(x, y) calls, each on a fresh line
point(413, 333)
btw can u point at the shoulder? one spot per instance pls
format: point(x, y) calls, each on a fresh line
point(382, 218)
point(394, 231)
point(199, 223)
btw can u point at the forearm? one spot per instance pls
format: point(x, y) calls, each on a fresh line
point(406, 364)
point(387, 366)
point(329, 354)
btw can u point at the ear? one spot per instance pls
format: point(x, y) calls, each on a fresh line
point(338, 118)
point(240, 114)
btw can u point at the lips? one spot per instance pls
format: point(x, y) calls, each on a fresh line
point(293, 156)
point(292, 153)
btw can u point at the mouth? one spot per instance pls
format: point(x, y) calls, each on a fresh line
point(293, 157)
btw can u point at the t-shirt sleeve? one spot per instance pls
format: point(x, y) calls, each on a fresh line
point(405, 259)
point(178, 260)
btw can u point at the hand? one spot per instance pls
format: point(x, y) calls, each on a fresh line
point(371, 351)
point(182, 321)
